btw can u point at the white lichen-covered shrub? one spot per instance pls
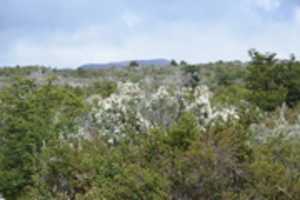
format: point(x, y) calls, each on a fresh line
point(280, 127)
point(134, 110)
point(119, 114)
point(161, 108)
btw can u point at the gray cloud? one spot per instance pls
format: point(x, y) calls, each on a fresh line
point(69, 33)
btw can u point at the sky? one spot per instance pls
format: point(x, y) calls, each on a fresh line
point(68, 33)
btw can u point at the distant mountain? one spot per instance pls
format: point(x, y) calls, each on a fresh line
point(121, 64)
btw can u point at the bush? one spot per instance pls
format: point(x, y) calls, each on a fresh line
point(214, 167)
point(31, 116)
point(103, 88)
point(274, 170)
point(272, 82)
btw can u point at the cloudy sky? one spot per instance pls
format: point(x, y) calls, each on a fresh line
point(68, 33)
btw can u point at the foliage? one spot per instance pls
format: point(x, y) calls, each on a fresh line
point(232, 95)
point(214, 167)
point(103, 88)
point(133, 64)
point(209, 131)
point(133, 110)
point(31, 116)
point(227, 74)
point(192, 71)
point(272, 81)
point(275, 170)
point(174, 63)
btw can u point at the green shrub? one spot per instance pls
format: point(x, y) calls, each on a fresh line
point(30, 117)
point(272, 82)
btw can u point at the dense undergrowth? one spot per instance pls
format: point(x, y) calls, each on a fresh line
point(225, 130)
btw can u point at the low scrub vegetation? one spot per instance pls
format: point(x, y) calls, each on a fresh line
point(225, 130)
